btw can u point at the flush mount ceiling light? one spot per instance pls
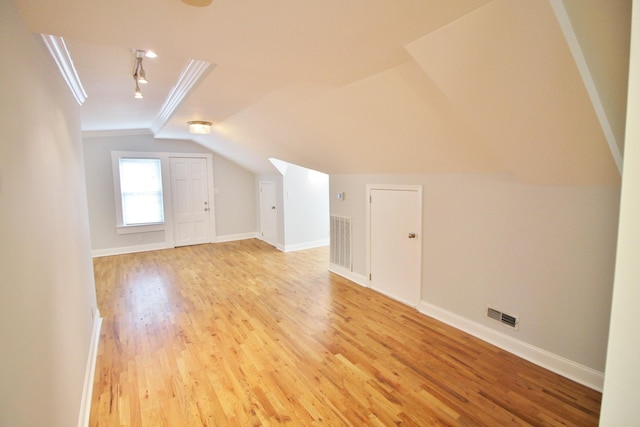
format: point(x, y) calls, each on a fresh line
point(199, 127)
point(197, 3)
point(139, 74)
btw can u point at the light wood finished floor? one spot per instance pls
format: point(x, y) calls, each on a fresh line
point(241, 334)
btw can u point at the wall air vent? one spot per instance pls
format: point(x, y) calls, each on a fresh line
point(340, 234)
point(505, 319)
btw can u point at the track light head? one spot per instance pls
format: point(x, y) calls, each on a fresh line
point(138, 92)
point(142, 78)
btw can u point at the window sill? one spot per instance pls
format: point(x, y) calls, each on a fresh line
point(143, 228)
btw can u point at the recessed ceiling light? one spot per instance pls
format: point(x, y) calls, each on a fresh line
point(150, 54)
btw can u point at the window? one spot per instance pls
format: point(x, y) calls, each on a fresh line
point(141, 191)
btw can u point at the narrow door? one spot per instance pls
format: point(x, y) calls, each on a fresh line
point(190, 195)
point(268, 212)
point(395, 243)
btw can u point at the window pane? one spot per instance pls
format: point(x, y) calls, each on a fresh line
point(141, 189)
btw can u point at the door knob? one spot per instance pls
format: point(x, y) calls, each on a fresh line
point(412, 235)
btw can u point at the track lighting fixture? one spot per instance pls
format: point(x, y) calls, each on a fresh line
point(139, 74)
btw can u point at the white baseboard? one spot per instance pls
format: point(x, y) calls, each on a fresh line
point(306, 245)
point(89, 375)
point(558, 364)
point(130, 249)
point(234, 237)
point(349, 275)
point(164, 245)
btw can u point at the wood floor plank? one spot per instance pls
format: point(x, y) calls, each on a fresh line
point(240, 334)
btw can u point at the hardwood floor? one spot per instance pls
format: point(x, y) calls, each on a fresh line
point(241, 334)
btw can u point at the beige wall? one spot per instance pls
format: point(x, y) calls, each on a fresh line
point(544, 253)
point(47, 296)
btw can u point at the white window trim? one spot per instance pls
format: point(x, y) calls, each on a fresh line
point(115, 165)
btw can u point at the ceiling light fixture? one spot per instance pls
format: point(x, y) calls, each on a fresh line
point(138, 70)
point(138, 92)
point(198, 3)
point(199, 127)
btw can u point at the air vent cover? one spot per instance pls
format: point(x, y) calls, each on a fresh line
point(504, 318)
point(340, 234)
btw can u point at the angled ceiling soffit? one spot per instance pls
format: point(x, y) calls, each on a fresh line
point(589, 83)
point(506, 69)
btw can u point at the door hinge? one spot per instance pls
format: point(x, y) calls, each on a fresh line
point(369, 276)
point(370, 199)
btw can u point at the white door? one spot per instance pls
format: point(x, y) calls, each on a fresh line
point(190, 195)
point(268, 212)
point(395, 228)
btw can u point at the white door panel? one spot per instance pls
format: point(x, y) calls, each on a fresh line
point(395, 243)
point(268, 212)
point(191, 208)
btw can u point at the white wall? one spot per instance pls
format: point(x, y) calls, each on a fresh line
point(302, 206)
point(47, 294)
point(621, 392)
point(305, 195)
point(543, 253)
point(234, 202)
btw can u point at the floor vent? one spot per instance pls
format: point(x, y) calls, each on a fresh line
point(341, 241)
point(505, 319)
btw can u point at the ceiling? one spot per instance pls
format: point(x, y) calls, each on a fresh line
point(362, 86)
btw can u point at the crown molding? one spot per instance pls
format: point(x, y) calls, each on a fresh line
point(58, 50)
point(115, 132)
point(191, 76)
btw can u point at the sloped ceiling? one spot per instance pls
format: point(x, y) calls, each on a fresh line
point(359, 86)
point(603, 30)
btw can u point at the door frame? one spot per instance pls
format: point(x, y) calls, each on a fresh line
point(210, 190)
point(394, 187)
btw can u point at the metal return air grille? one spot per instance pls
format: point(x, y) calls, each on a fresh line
point(341, 241)
point(506, 319)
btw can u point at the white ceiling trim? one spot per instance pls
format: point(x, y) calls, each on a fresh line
point(583, 68)
point(191, 76)
point(115, 132)
point(58, 50)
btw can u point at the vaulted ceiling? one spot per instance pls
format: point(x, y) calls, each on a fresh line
point(366, 86)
